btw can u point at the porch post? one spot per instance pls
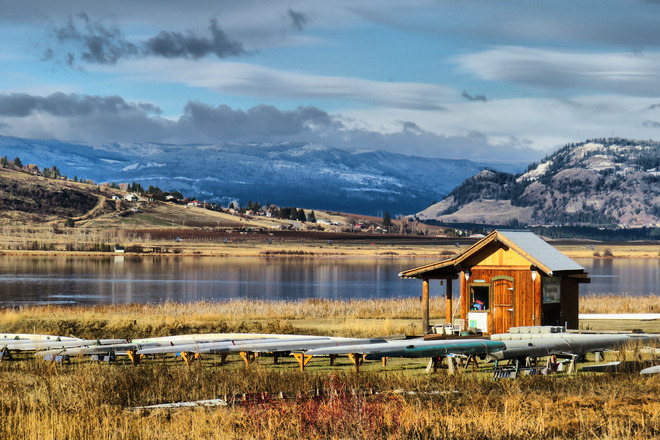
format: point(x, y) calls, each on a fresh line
point(449, 306)
point(425, 306)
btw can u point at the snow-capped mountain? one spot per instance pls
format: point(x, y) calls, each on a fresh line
point(288, 174)
point(598, 182)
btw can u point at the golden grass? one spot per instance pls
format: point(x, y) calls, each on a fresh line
point(355, 318)
point(360, 318)
point(620, 304)
point(89, 401)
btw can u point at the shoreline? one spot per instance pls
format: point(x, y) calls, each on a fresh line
point(296, 250)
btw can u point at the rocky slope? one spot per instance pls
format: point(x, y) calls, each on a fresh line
point(599, 182)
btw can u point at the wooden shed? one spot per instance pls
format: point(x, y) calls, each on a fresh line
point(507, 279)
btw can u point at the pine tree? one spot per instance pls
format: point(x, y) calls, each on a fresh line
point(387, 221)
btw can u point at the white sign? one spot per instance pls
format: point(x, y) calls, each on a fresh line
point(478, 320)
point(551, 290)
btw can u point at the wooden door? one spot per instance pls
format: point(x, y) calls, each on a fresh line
point(502, 304)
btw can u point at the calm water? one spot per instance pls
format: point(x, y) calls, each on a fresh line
point(117, 280)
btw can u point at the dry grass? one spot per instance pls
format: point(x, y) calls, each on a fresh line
point(620, 304)
point(87, 401)
point(355, 318)
point(360, 318)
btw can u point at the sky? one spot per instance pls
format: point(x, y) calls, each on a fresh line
point(507, 80)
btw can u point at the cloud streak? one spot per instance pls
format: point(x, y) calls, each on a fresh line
point(242, 79)
point(298, 19)
point(623, 73)
point(66, 105)
point(469, 97)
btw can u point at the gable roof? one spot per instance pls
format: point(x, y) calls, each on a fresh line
point(529, 245)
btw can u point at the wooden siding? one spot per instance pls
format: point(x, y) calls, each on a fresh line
point(526, 297)
point(570, 302)
point(505, 257)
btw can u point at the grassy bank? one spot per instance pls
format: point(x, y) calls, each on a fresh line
point(90, 401)
point(353, 318)
point(84, 400)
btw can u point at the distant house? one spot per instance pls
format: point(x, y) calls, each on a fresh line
point(116, 198)
point(132, 197)
point(195, 203)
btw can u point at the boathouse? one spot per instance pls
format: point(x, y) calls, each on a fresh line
point(507, 279)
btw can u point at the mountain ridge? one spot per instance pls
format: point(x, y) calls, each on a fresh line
point(607, 182)
point(288, 173)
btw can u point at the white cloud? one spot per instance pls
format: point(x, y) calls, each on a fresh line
point(251, 80)
point(624, 73)
point(542, 124)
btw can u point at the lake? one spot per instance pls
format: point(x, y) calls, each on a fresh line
point(73, 280)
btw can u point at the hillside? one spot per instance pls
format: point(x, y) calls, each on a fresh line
point(28, 200)
point(599, 182)
point(288, 174)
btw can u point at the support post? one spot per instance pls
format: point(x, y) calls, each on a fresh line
point(449, 298)
point(425, 306)
point(451, 364)
point(248, 357)
point(303, 359)
point(134, 357)
point(357, 359)
point(433, 364)
point(189, 357)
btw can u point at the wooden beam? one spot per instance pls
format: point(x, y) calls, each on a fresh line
point(425, 306)
point(357, 359)
point(303, 359)
point(449, 298)
point(248, 357)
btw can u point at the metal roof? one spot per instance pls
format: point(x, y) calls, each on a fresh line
point(544, 254)
point(532, 247)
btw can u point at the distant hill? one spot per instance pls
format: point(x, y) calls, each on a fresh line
point(597, 182)
point(26, 199)
point(288, 174)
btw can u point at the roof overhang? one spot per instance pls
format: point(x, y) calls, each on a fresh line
point(447, 269)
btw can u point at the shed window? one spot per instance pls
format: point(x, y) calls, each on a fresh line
point(479, 298)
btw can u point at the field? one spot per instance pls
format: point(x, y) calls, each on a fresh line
point(86, 400)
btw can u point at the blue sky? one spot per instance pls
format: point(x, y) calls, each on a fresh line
point(477, 79)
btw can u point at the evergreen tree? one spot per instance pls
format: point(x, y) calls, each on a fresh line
point(311, 217)
point(293, 213)
point(387, 221)
point(300, 215)
point(18, 163)
point(4, 162)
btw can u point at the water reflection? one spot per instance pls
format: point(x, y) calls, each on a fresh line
point(621, 276)
point(130, 279)
point(103, 280)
